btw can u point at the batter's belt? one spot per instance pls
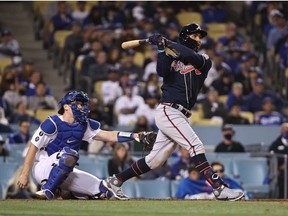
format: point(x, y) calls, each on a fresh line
point(182, 109)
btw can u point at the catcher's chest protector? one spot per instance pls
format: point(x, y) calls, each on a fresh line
point(67, 135)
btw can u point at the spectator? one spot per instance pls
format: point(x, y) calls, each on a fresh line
point(5, 128)
point(99, 114)
point(96, 17)
point(146, 28)
point(3, 119)
point(228, 144)
point(34, 79)
point(126, 106)
point(90, 59)
point(231, 33)
point(255, 99)
point(110, 88)
point(162, 173)
point(150, 67)
point(120, 160)
point(62, 20)
point(3, 151)
point(214, 12)
point(234, 116)
point(128, 66)
point(148, 110)
point(80, 13)
point(8, 46)
point(268, 116)
point(22, 136)
point(232, 183)
point(223, 84)
point(180, 167)
point(235, 97)
point(218, 67)
point(193, 187)
point(279, 30)
point(236, 59)
point(280, 146)
point(41, 100)
point(142, 124)
point(247, 77)
point(14, 192)
point(74, 41)
point(6, 108)
point(212, 107)
point(99, 70)
point(21, 114)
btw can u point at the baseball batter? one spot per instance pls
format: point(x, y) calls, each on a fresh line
point(183, 77)
point(54, 150)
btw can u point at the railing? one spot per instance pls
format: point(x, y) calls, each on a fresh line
point(274, 171)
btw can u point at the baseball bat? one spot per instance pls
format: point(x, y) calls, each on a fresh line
point(133, 43)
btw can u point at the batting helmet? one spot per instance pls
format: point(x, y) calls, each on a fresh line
point(188, 30)
point(70, 98)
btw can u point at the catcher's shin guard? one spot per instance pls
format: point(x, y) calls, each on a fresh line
point(67, 160)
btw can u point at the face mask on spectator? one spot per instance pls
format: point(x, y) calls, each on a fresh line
point(285, 135)
point(228, 136)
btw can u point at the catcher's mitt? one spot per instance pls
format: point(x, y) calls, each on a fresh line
point(147, 139)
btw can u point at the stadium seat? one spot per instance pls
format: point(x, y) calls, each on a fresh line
point(153, 189)
point(60, 37)
point(99, 169)
point(185, 18)
point(4, 63)
point(223, 98)
point(248, 115)
point(216, 30)
point(86, 159)
point(174, 187)
point(16, 151)
point(139, 59)
point(98, 90)
point(251, 172)
point(7, 172)
point(42, 114)
point(129, 189)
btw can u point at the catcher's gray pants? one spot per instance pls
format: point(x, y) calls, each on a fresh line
point(174, 128)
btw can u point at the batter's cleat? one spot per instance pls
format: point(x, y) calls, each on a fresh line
point(114, 185)
point(226, 194)
point(44, 194)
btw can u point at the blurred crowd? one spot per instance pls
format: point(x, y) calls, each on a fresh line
point(125, 83)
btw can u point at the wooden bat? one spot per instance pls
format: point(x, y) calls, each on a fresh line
point(133, 43)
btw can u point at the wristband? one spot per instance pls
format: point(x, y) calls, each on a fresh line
point(161, 51)
point(125, 136)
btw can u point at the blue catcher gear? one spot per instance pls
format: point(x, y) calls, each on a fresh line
point(187, 30)
point(67, 160)
point(71, 98)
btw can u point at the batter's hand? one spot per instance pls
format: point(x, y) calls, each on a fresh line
point(23, 181)
point(157, 39)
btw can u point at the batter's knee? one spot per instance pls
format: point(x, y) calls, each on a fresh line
point(154, 163)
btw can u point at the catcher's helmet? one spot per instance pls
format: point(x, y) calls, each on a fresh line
point(70, 98)
point(188, 30)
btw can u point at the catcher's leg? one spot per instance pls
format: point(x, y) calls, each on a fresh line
point(67, 160)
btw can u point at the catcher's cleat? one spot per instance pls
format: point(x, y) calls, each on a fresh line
point(44, 194)
point(226, 194)
point(114, 185)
